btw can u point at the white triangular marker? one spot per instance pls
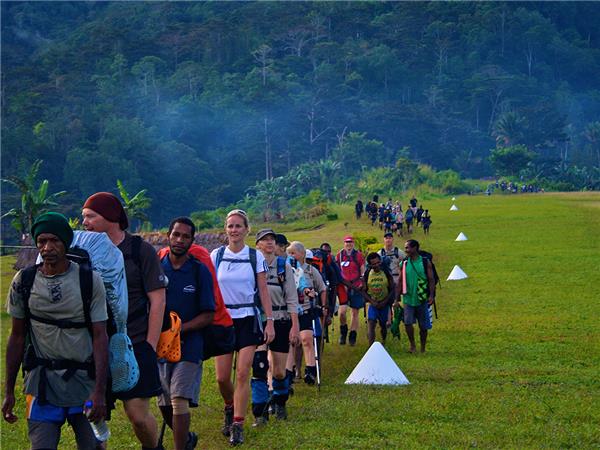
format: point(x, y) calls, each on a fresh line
point(454, 208)
point(377, 367)
point(453, 198)
point(456, 274)
point(461, 237)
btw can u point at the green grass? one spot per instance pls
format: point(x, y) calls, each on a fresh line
point(512, 362)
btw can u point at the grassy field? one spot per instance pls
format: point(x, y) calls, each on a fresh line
point(513, 360)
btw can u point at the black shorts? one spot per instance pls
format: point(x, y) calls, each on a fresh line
point(247, 333)
point(149, 383)
point(281, 343)
point(305, 320)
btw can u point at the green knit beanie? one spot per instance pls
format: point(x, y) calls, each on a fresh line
point(54, 223)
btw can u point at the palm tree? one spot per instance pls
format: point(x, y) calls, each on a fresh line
point(135, 206)
point(592, 134)
point(34, 200)
point(509, 129)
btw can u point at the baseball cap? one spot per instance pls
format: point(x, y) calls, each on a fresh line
point(309, 254)
point(348, 239)
point(265, 232)
point(280, 239)
point(388, 235)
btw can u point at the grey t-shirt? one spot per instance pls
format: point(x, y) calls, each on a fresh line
point(283, 302)
point(148, 277)
point(315, 281)
point(59, 297)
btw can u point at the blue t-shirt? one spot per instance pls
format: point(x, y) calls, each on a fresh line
point(189, 293)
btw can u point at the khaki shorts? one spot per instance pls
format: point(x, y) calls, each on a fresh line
point(180, 379)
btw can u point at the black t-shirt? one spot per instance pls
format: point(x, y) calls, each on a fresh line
point(148, 277)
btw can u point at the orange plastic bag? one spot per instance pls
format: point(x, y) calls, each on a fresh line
point(169, 342)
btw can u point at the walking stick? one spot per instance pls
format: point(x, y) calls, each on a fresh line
point(317, 355)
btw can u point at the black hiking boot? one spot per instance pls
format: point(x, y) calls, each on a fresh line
point(192, 441)
point(310, 375)
point(237, 434)
point(352, 338)
point(227, 421)
point(280, 412)
point(343, 334)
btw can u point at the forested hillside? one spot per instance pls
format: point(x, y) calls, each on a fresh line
point(199, 101)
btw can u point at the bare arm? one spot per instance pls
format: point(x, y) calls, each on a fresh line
point(14, 356)
point(197, 323)
point(100, 345)
point(155, 316)
point(265, 300)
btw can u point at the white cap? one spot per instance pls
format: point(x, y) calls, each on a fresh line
point(309, 254)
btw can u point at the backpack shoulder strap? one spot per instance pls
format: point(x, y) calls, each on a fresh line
point(27, 279)
point(86, 284)
point(396, 252)
point(219, 258)
point(281, 271)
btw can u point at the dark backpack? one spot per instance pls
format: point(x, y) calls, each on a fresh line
point(386, 261)
point(30, 359)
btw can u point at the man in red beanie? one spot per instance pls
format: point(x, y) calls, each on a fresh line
point(146, 283)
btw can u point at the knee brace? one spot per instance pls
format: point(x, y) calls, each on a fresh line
point(260, 365)
point(180, 406)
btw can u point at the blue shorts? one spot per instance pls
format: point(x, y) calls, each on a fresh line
point(421, 313)
point(49, 412)
point(380, 315)
point(356, 299)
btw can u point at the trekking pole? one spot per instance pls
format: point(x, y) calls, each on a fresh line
point(234, 365)
point(162, 433)
point(317, 355)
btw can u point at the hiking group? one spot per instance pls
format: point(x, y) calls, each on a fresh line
point(103, 317)
point(392, 218)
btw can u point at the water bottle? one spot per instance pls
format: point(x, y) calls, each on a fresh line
point(100, 429)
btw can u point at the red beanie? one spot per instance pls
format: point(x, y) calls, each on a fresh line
point(109, 207)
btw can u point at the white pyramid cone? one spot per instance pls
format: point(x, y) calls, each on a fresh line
point(461, 237)
point(453, 198)
point(454, 208)
point(456, 274)
point(377, 367)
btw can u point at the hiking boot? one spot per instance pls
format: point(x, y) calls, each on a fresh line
point(227, 421)
point(281, 412)
point(352, 338)
point(260, 421)
point(343, 333)
point(192, 441)
point(237, 434)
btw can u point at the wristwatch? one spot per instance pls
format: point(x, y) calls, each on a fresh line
point(270, 318)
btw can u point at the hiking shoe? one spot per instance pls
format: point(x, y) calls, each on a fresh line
point(192, 441)
point(281, 412)
point(237, 434)
point(260, 421)
point(309, 379)
point(227, 421)
point(343, 333)
point(352, 338)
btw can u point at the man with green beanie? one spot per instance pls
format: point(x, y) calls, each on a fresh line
point(66, 360)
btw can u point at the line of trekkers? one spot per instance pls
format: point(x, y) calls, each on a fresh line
point(392, 218)
point(103, 317)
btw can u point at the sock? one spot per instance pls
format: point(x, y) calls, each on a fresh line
point(237, 419)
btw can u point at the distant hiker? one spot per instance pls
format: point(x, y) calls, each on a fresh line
point(381, 215)
point(417, 285)
point(59, 335)
point(391, 256)
point(413, 202)
point(190, 295)
point(352, 266)
point(312, 301)
point(241, 272)
point(379, 286)
point(373, 212)
point(426, 221)
point(399, 221)
point(408, 218)
point(284, 298)
point(334, 276)
point(146, 282)
point(388, 221)
point(358, 209)
point(419, 214)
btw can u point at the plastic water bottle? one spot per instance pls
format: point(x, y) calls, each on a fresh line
point(100, 429)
